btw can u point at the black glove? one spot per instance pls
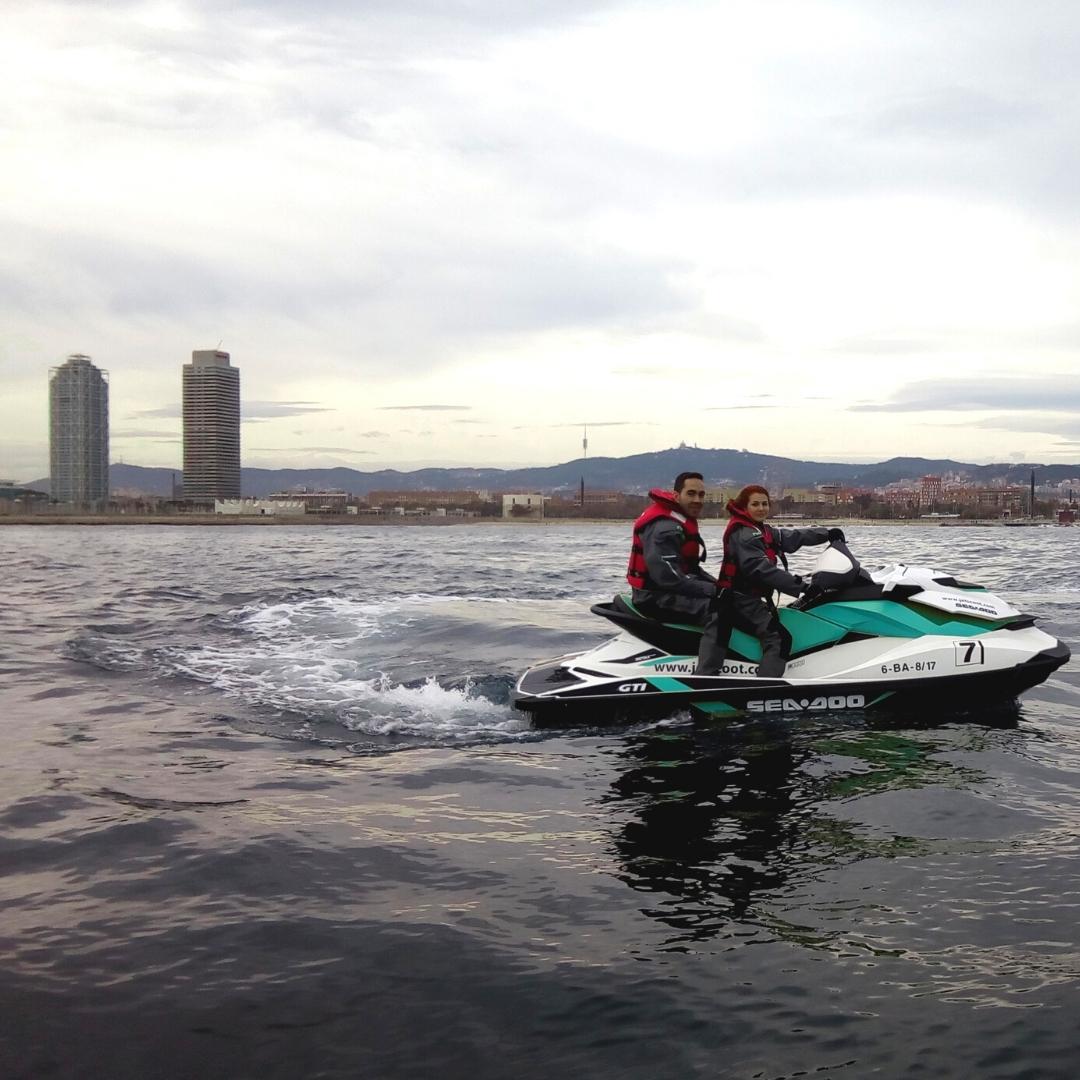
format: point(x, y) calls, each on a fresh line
point(836, 536)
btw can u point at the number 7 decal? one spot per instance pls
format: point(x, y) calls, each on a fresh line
point(969, 653)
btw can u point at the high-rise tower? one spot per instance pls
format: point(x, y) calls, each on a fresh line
point(78, 432)
point(211, 426)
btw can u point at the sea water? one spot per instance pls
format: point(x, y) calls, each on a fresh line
point(266, 812)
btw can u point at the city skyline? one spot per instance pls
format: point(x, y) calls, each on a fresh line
point(834, 230)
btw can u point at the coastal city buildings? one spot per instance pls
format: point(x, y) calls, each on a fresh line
point(79, 433)
point(211, 427)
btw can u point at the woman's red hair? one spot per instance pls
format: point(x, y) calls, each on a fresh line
point(743, 498)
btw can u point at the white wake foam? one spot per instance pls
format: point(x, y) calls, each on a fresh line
point(326, 658)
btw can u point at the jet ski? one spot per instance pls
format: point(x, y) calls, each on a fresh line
point(895, 637)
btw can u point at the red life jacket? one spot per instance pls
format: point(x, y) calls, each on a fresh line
point(741, 519)
point(692, 552)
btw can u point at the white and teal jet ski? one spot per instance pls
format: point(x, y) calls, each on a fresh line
point(899, 636)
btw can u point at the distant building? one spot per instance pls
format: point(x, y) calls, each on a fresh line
point(427, 497)
point(805, 495)
point(259, 507)
point(78, 432)
point(930, 491)
point(603, 498)
point(211, 427)
point(20, 500)
point(530, 505)
point(1004, 500)
point(314, 502)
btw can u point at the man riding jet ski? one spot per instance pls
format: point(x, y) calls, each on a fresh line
point(665, 572)
point(859, 640)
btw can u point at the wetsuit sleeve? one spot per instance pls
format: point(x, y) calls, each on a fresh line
point(753, 565)
point(661, 542)
point(793, 539)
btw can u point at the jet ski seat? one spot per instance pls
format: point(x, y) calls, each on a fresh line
point(681, 638)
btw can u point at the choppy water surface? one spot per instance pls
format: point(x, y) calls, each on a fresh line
point(266, 812)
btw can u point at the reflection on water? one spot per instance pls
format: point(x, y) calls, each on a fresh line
point(717, 824)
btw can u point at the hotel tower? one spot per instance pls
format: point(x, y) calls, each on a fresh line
point(78, 432)
point(211, 427)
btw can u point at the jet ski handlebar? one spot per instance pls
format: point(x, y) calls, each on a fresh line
point(836, 568)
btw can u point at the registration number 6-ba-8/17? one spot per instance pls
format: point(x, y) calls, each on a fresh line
point(898, 667)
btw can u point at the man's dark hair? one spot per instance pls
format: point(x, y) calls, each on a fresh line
point(681, 479)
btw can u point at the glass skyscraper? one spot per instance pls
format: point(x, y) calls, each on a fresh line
point(78, 432)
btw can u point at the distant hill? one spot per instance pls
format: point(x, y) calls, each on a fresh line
point(636, 473)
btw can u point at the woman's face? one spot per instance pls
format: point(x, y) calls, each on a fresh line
point(758, 506)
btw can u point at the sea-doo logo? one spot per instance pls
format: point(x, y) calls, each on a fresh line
point(818, 704)
point(964, 604)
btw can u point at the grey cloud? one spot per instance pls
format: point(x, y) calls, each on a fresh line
point(1030, 423)
point(912, 130)
point(456, 16)
point(641, 369)
point(165, 411)
point(269, 410)
point(884, 346)
point(953, 112)
point(1047, 393)
point(425, 408)
point(140, 433)
point(736, 408)
point(502, 287)
point(252, 411)
point(309, 450)
point(597, 424)
point(400, 298)
point(378, 47)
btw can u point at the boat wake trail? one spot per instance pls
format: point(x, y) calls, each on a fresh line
point(428, 667)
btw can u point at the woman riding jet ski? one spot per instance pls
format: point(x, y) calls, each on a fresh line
point(859, 640)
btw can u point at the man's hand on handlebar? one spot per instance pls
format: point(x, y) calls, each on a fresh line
point(808, 593)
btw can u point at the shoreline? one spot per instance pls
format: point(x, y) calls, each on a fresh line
point(351, 521)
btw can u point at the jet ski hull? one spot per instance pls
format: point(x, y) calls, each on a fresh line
point(561, 691)
point(899, 638)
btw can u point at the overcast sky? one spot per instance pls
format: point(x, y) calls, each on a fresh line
point(454, 231)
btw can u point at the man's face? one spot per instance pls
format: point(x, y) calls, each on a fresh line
point(692, 498)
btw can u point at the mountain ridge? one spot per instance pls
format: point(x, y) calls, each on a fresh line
point(635, 473)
